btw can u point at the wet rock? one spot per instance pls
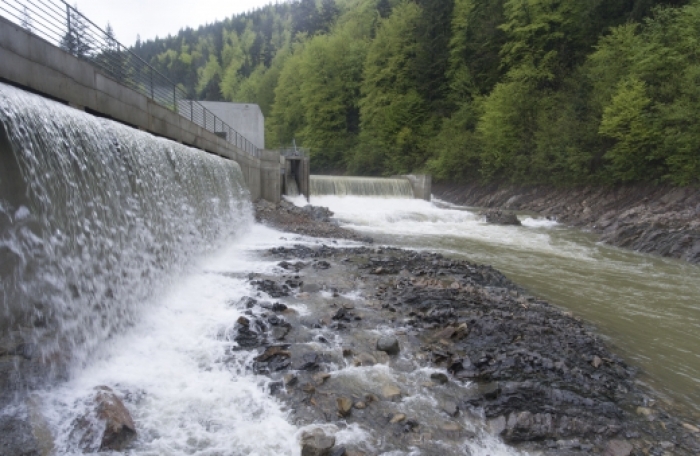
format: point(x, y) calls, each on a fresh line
point(391, 393)
point(439, 378)
point(498, 425)
point(321, 377)
point(596, 362)
point(272, 352)
point(247, 302)
point(388, 344)
point(107, 426)
point(364, 359)
point(397, 418)
point(310, 362)
point(618, 448)
point(247, 337)
point(316, 443)
point(339, 451)
point(344, 406)
point(290, 380)
point(450, 408)
point(691, 428)
point(321, 265)
point(279, 332)
point(308, 388)
point(500, 217)
point(359, 405)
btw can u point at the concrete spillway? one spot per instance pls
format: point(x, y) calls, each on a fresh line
point(93, 216)
point(361, 186)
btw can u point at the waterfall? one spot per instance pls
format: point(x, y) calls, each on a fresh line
point(94, 218)
point(361, 186)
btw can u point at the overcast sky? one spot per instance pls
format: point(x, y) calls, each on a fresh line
point(151, 18)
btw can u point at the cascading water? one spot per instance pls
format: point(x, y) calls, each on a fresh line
point(361, 186)
point(94, 216)
point(103, 228)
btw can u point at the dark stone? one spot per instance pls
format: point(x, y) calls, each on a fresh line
point(439, 378)
point(338, 451)
point(317, 443)
point(500, 217)
point(388, 344)
point(279, 307)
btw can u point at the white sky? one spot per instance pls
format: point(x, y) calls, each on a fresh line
point(151, 18)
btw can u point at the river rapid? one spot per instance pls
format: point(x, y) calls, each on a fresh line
point(648, 308)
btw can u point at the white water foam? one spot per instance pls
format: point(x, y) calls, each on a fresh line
point(186, 393)
point(413, 217)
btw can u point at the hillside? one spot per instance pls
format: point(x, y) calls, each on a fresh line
point(553, 92)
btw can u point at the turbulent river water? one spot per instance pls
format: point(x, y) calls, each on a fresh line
point(647, 307)
point(124, 258)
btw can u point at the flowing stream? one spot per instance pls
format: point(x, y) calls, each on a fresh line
point(647, 307)
point(124, 258)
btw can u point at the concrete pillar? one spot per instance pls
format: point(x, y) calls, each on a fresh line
point(270, 176)
point(422, 185)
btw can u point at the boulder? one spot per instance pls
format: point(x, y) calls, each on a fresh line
point(500, 217)
point(316, 443)
point(107, 426)
point(388, 344)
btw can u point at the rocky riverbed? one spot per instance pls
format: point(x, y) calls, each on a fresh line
point(375, 350)
point(309, 220)
point(417, 351)
point(651, 219)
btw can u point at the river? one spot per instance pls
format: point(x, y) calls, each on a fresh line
point(648, 308)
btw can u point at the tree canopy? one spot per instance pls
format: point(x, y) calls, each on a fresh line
point(525, 91)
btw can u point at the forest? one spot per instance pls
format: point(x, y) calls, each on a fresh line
point(557, 92)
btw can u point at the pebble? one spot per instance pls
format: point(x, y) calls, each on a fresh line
point(391, 393)
point(691, 428)
point(397, 418)
point(344, 406)
point(308, 388)
point(321, 377)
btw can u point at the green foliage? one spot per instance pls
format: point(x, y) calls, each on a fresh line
point(393, 112)
point(527, 91)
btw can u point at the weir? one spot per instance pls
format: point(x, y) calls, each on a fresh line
point(410, 186)
point(94, 218)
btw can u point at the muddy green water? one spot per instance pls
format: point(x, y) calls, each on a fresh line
point(648, 308)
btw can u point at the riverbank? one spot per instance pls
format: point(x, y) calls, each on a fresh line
point(650, 219)
point(309, 221)
point(389, 330)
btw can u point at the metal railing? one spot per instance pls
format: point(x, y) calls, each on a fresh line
point(63, 25)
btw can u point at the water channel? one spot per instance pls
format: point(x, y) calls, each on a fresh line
point(647, 307)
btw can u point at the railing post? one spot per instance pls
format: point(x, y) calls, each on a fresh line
point(151, 72)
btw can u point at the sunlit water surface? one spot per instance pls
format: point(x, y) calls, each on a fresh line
point(647, 307)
